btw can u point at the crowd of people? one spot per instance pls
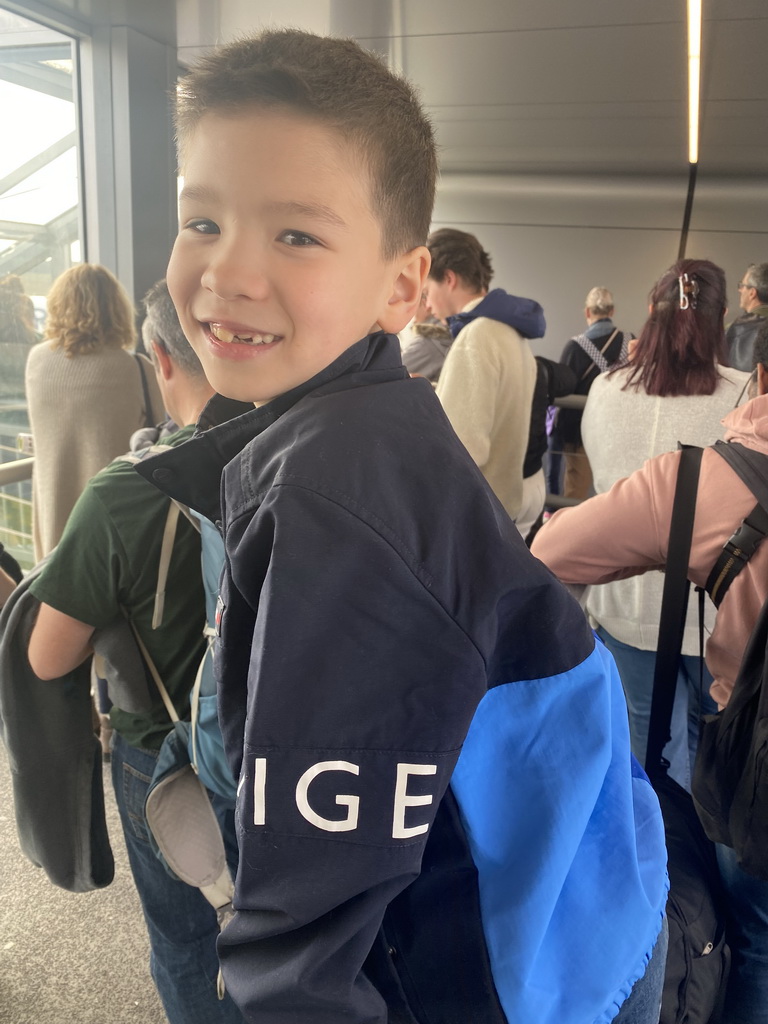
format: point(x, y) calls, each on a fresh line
point(429, 808)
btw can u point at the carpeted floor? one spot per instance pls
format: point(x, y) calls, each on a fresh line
point(70, 958)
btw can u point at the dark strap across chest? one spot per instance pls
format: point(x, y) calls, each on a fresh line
point(752, 468)
point(597, 355)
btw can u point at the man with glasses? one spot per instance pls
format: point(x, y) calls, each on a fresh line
point(753, 300)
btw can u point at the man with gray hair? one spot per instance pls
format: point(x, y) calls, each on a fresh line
point(103, 570)
point(168, 349)
point(601, 346)
point(753, 300)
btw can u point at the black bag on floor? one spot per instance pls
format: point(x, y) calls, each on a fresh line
point(697, 961)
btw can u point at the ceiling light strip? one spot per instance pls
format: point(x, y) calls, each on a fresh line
point(694, 78)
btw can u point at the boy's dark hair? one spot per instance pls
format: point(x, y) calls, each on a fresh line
point(338, 83)
point(161, 324)
point(460, 252)
point(761, 345)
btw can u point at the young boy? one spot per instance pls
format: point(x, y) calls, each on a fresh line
point(438, 815)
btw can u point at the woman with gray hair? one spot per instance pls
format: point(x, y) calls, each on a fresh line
point(599, 348)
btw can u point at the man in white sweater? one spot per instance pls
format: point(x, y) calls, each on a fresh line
point(487, 381)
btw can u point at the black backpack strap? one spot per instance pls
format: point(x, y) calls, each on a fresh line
point(748, 464)
point(9, 565)
point(737, 551)
point(674, 603)
point(752, 468)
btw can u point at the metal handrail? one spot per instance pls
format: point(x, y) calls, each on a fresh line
point(15, 472)
point(21, 469)
point(571, 402)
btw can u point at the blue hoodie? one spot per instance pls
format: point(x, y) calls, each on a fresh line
point(525, 315)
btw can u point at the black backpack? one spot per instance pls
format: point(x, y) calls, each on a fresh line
point(730, 778)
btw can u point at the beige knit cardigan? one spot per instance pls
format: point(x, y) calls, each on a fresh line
point(486, 389)
point(82, 412)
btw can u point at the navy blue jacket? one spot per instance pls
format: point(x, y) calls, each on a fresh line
point(439, 817)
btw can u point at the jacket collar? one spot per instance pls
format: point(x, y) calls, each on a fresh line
point(192, 472)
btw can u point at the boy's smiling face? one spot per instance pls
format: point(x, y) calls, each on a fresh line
point(278, 266)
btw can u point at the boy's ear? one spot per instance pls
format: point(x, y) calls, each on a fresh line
point(413, 268)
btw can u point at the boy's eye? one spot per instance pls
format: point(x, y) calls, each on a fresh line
point(297, 238)
point(203, 226)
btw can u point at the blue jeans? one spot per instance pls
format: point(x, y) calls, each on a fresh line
point(644, 1003)
point(746, 1000)
point(181, 923)
point(692, 700)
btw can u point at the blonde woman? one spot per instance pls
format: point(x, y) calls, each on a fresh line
point(86, 391)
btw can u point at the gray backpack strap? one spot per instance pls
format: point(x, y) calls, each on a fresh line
point(169, 533)
point(175, 508)
point(194, 701)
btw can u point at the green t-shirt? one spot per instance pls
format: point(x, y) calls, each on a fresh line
point(108, 558)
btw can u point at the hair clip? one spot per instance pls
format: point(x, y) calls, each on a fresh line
point(689, 291)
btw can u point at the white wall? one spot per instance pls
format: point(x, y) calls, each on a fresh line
point(202, 23)
point(553, 239)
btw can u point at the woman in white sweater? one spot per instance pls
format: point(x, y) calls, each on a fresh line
point(86, 394)
point(674, 390)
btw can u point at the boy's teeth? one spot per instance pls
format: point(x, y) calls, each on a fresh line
point(222, 334)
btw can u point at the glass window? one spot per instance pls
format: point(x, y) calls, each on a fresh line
point(39, 224)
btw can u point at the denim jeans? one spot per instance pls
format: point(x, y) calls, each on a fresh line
point(181, 923)
point(644, 1002)
point(746, 1000)
point(692, 700)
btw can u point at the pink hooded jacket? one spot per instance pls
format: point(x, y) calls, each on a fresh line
point(624, 532)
